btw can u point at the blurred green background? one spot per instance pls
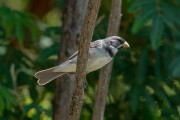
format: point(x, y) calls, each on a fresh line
point(145, 82)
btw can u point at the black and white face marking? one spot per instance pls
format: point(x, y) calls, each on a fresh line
point(116, 42)
point(113, 43)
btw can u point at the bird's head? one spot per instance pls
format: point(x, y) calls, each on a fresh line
point(117, 42)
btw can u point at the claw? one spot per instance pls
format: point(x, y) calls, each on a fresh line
point(85, 84)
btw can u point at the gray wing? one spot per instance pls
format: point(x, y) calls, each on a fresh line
point(93, 45)
point(69, 65)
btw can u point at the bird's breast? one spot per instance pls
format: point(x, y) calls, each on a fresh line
point(97, 61)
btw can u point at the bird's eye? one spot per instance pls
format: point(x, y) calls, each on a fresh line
point(121, 41)
point(113, 43)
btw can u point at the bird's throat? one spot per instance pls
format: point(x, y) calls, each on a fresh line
point(109, 51)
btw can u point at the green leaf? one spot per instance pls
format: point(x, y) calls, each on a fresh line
point(8, 97)
point(142, 67)
point(33, 92)
point(60, 3)
point(157, 65)
point(175, 67)
point(140, 4)
point(1, 106)
point(19, 31)
point(134, 95)
point(162, 96)
point(34, 30)
point(30, 24)
point(7, 17)
point(141, 20)
point(45, 53)
point(170, 16)
point(157, 30)
point(22, 24)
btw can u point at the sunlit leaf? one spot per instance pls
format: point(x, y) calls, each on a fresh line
point(163, 97)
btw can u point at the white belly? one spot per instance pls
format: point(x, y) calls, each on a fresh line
point(98, 63)
point(92, 65)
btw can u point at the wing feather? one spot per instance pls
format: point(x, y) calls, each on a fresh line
point(73, 55)
point(93, 45)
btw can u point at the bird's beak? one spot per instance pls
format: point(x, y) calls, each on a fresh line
point(125, 45)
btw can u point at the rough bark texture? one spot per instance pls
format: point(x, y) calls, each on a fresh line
point(105, 73)
point(85, 38)
point(72, 18)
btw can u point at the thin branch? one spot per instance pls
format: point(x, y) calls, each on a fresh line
point(72, 17)
point(85, 38)
point(105, 73)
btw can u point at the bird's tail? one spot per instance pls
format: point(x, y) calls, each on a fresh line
point(47, 75)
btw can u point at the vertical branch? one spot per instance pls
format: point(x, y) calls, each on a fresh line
point(85, 38)
point(105, 73)
point(72, 18)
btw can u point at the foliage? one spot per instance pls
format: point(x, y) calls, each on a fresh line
point(21, 22)
point(145, 79)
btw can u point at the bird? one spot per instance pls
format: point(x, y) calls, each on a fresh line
point(101, 52)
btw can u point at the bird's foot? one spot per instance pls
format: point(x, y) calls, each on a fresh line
point(85, 84)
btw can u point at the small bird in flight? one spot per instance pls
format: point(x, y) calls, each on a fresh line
point(101, 52)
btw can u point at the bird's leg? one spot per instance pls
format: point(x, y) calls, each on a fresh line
point(85, 84)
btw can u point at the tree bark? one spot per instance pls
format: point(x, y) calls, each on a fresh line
point(72, 19)
point(85, 38)
point(105, 73)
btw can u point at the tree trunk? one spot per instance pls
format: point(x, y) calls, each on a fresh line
point(72, 19)
point(85, 38)
point(105, 73)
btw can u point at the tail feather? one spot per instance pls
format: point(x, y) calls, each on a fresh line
point(47, 75)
